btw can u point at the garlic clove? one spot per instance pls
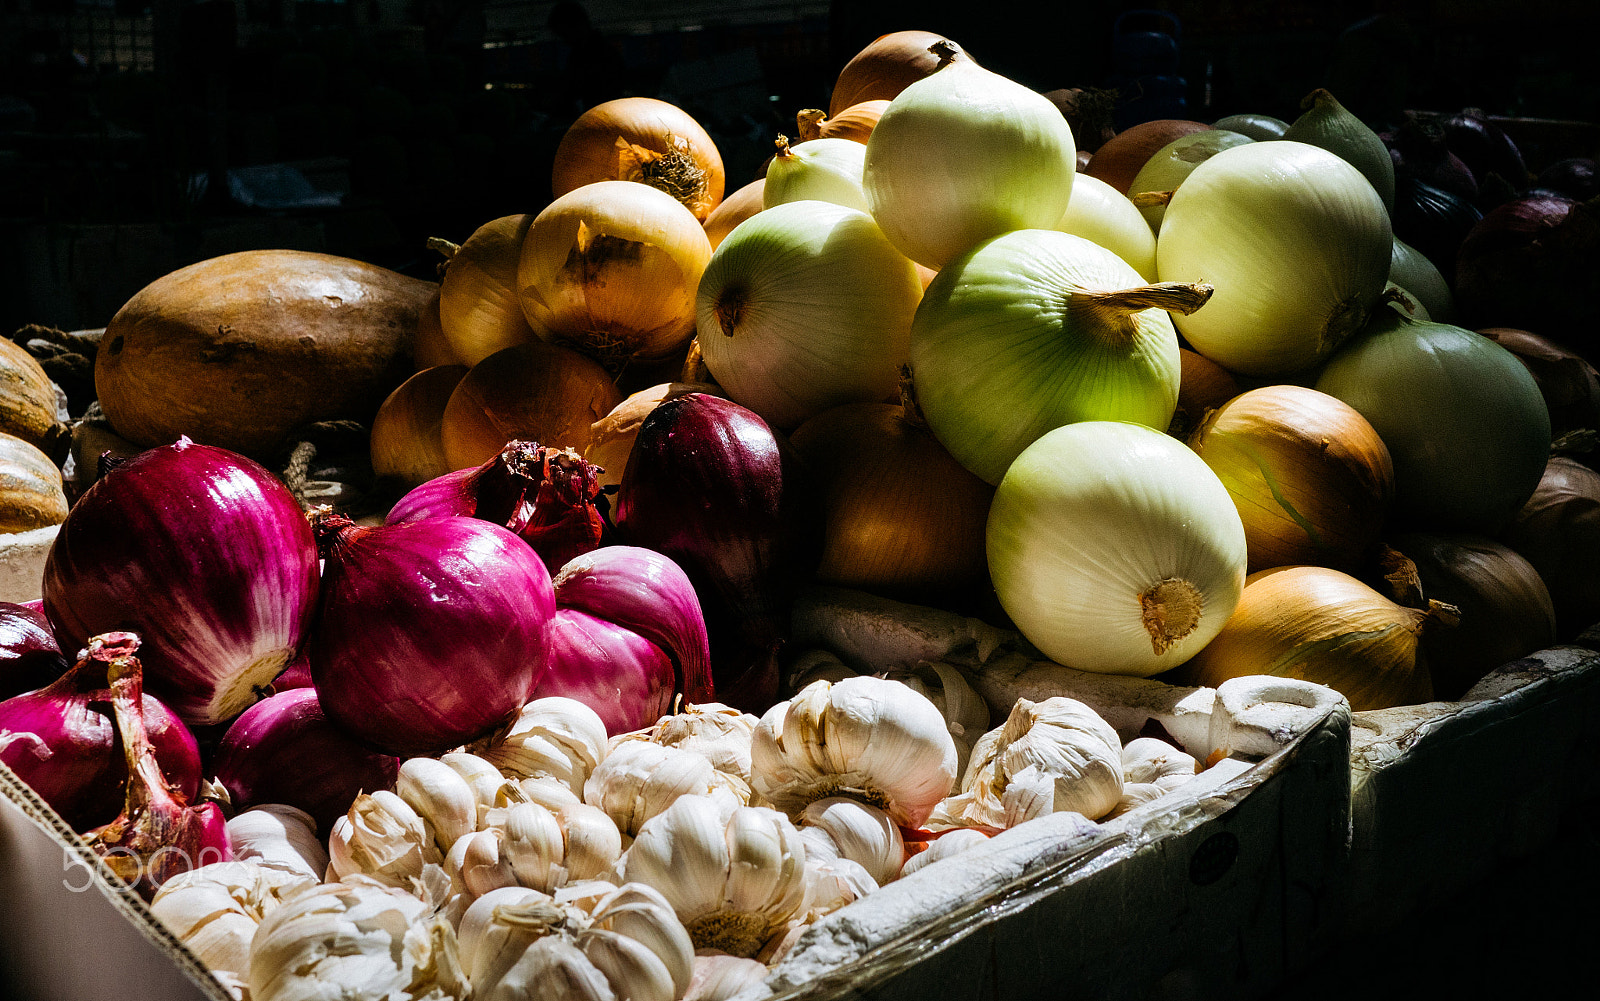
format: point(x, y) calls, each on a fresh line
point(643, 914)
point(683, 853)
point(534, 847)
point(629, 966)
point(337, 940)
point(639, 780)
point(834, 883)
point(861, 833)
point(280, 837)
point(1148, 760)
point(481, 776)
point(484, 866)
point(381, 837)
point(555, 737)
point(551, 969)
point(1135, 795)
point(942, 847)
point(719, 976)
point(716, 732)
point(547, 792)
point(820, 846)
point(593, 843)
point(1059, 739)
point(477, 925)
point(441, 797)
point(766, 871)
point(1028, 794)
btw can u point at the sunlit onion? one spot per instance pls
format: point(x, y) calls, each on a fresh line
point(479, 309)
point(886, 66)
point(641, 139)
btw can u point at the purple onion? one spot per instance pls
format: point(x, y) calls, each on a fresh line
point(62, 741)
point(29, 656)
point(205, 555)
point(613, 670)
point(296, 675)
point(1484, 147)
point(1534, 263)
point(1576, 177)
point(284, 749)
point(545, 495)
point(430, 633)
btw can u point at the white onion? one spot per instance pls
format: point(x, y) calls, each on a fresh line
point(827, 170)
point(1101, 214)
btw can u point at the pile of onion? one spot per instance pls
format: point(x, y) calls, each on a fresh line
point(645, 140)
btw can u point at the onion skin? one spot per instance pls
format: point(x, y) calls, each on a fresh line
point(1119, 159)
point(1558, 531)
point(1569, 383)
point(888, 65)
point(1577, 177)
point(406, 441)
point(1484, 147)
point(1433, 221)
point(612, 436)
point(284, 749)
point(202, 552)
point(29, 656)
point(430, 634)
point(62, 741)
point(620, 140)
point(479, 309)
point(854, 123)
point(1203, 386)
point(736, 208)
point(622, 676)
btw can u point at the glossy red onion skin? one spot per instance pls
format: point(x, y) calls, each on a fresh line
point(616, 672)
point(430, 633)
point(284, 749)
point(205, 555)
point(649, 594)
point(710, 485)
point(65, 746)
point(29, 656)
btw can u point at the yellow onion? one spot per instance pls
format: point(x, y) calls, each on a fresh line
point(406, 443)
point(1203, 386)
point(733, 210)
point(611, 437)
point(1558, 531)
point(1101, 214)
point(478, 304)
point(611, 269)
point(646, 140)
point(537, 392)
point(887, 65)
point(1312, 480)
point(900, 514)
point(431, 348)
point(1324, 626)
point(854, 123)
point(1119, 159)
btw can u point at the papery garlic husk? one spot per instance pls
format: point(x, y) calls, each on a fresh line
point(965, 713)
point(719, 976)
point(942, 847)
point(817, 665)
point(354, 940)
point(277, 836)
point(553, 737)
point(441, 797)
point(381, 837)
point(1135, 795)
point(833, 883)
point(863, 834)
point(867, 738)
point(640, 779)
point(721, 734)
point(214, 910)
point(482, 776)
point(733, 874)
point(1058, 753)
point(550, 793)
point(1156, 762)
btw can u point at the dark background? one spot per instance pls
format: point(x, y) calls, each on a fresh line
point(121, 120)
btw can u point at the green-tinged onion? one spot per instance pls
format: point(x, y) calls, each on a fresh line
point(1257, 127)
point(1328, 124)
point(1410, 270)
point(1101, 214)
point(827, 170)
point(1153, 185)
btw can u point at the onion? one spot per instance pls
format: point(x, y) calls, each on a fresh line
point(284, 749)
point(1505, 607)
point(1463, 420)
point(611, 269)
point(1419, 152)
point(1417, 276)
point(619, 674)
point(1297, 244)
point(1119, 160)
point(1203, 386)
point(709, 485)
point(1326, 123)
point(1101, 214)
point(1569, 383)
point(431, 348)
point(1088, 111)
point(1432, 220)
point(545, 495)
point(1577, 177)
point(736, 208)
point(203, 553)
point(534, 392)
point(900, 515)
point(1324, 626)
point(828, 170)
point(964, 155)
point(1558, 531)
point(805, 307)
point(1036, 329)
point(1257, 126)
point(648, 594)
point(1152, 187)
point(1484, 146)
point(430, 633)
point(1311, 478)
point(479, 309)
point(888, 65)
point(611, 437)
point(29, 656)
point(1534, 263)
point(63, 742)
point(854, 123)
point(1114, 549)
point(406, 441)
point(641, 139)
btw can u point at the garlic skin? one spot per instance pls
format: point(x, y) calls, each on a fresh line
point(867, 738)
point(1135, 795)
point(719, 976)
point(1048, 756)
point(1153, 761)
point(861, 833)
point(383, 838)
point(355, 940)
point(214, 911)
point(716, 732)
point(965, 713)
point(943, 847)
point(441, 796)
point(641, 779)
point(277, 836)
point(554, 737)
point(733, 874)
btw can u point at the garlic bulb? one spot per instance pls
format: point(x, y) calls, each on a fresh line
point(383, 838)
point(277, 836)
point(964, 711)
point(863, 834)
point(546, 849)
point(1049, 756)
point(733, 874)
point(944, 846)
point(553, 737)
point(720, 734)
point(719, 976)
point(641, 779)
point(482, 776)
point(214, 911)
point(441, 797)
point(867, 738)
point(355, 940)
point(1135, 795)
point(1148, 760)
point(481, 864)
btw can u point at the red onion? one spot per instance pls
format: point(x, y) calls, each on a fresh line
point(62, 742)
point(158, 834)
point(1432, 220)
point(1576, 177)
point(545, 495)
point(431, 633)
point(29, 657)
point(1534, 263)
point(1419, 151)
point(284, 749)
point(296, 675)
point(711, 486)
point(616, 672)
point(1484, 147)
point(204, 554)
